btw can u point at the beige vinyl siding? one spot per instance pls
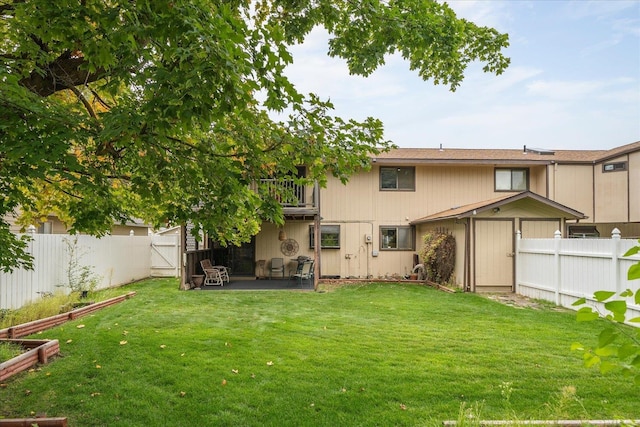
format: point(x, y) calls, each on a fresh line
point(634, 187)
point(573, 186)
point(539, 228)
point(125, 230)
point(445, 187)
point(627, 231)
point(538, 180)
point(438, 188)
point(351, 202)
point(356, 260)
point(611, 193)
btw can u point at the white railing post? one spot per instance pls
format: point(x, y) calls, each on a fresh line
point(557, 236)
point(615, 244)
point(517, 260)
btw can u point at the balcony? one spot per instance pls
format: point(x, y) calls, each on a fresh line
point(300, 202)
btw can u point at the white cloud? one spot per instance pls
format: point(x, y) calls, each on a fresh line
point(599, 9)
point(564, 90)
point(573, 82)
point(484, 13)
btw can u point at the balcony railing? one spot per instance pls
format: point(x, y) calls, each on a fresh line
point(298, 198)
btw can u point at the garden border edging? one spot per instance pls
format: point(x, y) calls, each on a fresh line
point(40, 350)
point(52, 321)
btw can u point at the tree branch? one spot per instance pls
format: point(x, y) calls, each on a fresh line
point(63, 73)
point(84, 101)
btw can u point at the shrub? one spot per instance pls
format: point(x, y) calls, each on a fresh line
point(618, 348)
point(80, 277)
point(439, 256)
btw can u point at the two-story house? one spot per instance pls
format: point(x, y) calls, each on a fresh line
point(373, 226)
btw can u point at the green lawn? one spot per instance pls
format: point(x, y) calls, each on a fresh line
point(379, 354)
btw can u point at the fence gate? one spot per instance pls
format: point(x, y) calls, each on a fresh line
point(165, 256)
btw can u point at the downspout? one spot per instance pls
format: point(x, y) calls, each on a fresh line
point(183, 255)
point(593, 190)
point(467, 258)
point(628, 192)
point(316, 239)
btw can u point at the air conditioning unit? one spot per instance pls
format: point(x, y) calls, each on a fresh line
point(368, 238)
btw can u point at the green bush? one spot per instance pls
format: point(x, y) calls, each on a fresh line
point(439, 256)
point(618, 347)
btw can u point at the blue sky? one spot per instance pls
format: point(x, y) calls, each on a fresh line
point(573, 82)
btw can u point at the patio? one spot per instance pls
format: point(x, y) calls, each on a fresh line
point(253, 284)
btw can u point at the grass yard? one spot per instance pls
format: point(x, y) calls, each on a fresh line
point(365, 355)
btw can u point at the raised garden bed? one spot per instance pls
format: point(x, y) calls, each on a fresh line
point(49, 322)
point(39, 351)
point(29, 422)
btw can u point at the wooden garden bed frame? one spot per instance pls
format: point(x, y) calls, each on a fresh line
point(49, 322)
point(29, 422)
point(39, 351)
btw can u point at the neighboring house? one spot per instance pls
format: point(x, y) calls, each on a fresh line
point(373, 226)
point(53, 225)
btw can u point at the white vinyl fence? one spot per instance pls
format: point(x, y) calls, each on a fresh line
point(115, 260)
point(564, 270)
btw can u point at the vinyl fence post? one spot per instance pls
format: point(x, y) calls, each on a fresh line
point(517, 260)
point(557, 236)
point(615, 244)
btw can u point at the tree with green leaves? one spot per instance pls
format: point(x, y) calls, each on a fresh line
point(618, 347)
point(162, 110)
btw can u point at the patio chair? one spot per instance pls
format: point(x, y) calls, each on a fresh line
point(224, 271)
point(305, 272)
point(212, 275)
point(277, 266)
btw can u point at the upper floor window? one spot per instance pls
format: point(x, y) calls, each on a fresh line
point(329, 236)
point(614, 167)
point(397, 178)
point(399, 238)
point(512, 179)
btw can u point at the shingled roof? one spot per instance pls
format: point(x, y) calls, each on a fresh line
point(494, 156)
point(465, 211)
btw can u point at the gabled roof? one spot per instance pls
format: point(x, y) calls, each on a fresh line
point(499, 156)
point(472, 209)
